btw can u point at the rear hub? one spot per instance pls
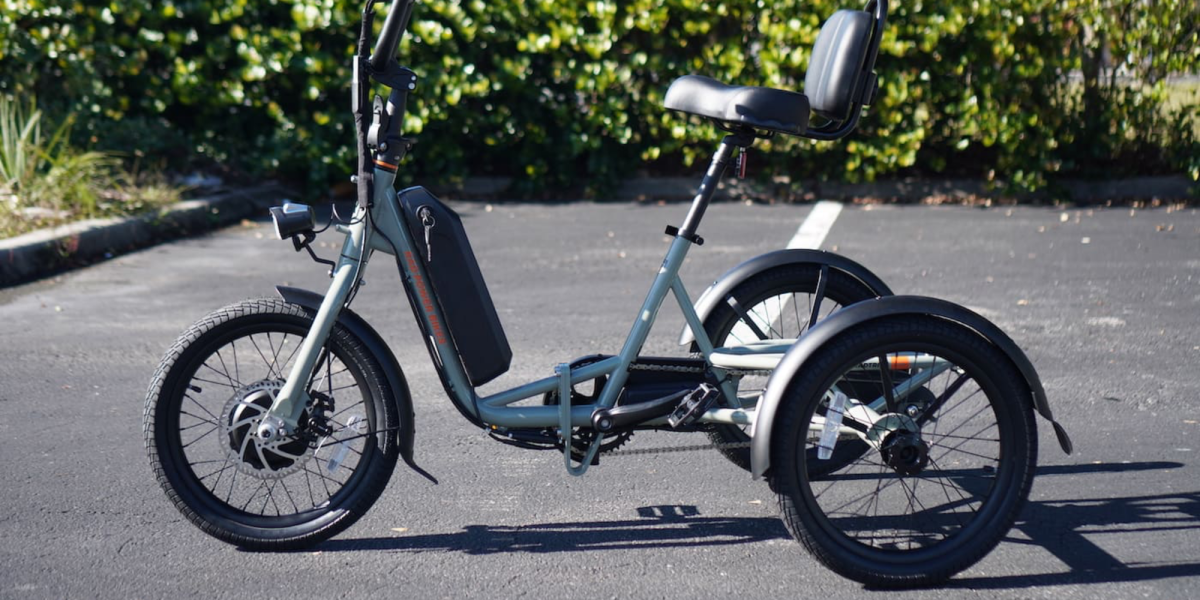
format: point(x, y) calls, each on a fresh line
point(898, 439)
point(905, 452)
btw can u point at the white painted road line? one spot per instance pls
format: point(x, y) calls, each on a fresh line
point(813, 230)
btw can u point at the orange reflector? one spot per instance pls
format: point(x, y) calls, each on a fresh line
point(900, 362)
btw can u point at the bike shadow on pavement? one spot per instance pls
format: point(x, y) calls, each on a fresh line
point(668, 526)
point(1062, 527)
point(1069, 529)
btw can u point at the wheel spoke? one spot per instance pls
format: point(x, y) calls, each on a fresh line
point(202, 436)
point(288, 492)
point(288, 361)
point(236, 371)
point(230, 382)
point(266, 361)
point(202, 421)
point(274, 354)
point(941, 399)
point(225, 466)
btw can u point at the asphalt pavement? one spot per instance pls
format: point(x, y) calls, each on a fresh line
point(1104, 301)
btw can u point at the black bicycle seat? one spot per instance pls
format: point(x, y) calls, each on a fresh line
point(758, 107)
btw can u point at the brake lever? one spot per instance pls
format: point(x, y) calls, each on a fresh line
point(306, 244)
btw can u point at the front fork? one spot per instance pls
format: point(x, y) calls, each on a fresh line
point(284, 415)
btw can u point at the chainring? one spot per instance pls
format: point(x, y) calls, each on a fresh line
point(583, 438)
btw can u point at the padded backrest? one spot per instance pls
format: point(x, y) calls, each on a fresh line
point(837, 60)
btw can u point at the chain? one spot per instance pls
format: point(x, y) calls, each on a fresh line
point(668, 449)
point(685, 369)
point(669, 368)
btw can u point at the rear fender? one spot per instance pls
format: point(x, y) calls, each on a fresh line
point(360, 329)
point(710, 299)
point(827, 329)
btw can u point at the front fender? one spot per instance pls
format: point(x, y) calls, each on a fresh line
point(712, 296)
point(387, 361)
point(827, 329)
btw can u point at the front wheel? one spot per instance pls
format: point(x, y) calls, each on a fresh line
point(948, 466)
point(204, 405)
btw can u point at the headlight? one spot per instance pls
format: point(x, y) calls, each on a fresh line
point(292, 219)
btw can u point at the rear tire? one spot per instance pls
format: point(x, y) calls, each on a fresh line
point(203, 405)
point(925, 504)
point(782, 297)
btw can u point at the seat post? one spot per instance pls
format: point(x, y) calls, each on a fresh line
point(712, 179)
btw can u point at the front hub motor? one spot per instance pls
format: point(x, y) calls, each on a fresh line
point(273, 458)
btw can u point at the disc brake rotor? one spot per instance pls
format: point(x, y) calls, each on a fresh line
point(270, 459)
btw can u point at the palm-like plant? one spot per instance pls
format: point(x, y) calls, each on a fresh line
point(43, 178)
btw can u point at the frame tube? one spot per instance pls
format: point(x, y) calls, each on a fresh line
point(290, 401)
point(708, 186)
point(549, 384)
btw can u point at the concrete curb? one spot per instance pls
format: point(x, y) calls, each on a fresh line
point(48, 251)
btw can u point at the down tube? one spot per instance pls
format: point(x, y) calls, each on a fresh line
point(390, 223)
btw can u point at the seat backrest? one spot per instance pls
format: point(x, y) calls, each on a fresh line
point(837, 62)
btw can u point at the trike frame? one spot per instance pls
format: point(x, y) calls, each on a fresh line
point(496, 411)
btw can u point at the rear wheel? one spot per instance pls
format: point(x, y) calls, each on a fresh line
point(946, 471)
point(774, 304)
point(203, 409)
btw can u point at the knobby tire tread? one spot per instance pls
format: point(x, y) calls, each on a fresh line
point(267, 307)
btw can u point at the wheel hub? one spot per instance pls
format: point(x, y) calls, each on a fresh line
point(905, 452)
point(898, 439)
point(270, 457)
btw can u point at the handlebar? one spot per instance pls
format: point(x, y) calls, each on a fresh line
point(393, 28)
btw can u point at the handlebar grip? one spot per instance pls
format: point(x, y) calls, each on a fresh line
point(393, 29)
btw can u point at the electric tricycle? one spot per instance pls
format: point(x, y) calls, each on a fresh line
point(897, 431)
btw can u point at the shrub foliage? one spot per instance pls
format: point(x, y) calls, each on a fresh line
point(567, 93)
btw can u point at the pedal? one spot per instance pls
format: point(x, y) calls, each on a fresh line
point(696, 403)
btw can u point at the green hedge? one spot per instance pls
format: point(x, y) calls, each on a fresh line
point(567, 94)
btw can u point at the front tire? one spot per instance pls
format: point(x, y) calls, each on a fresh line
point(948, 473)
point(207, 397)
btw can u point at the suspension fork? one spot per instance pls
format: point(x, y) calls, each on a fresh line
point(284, 414)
